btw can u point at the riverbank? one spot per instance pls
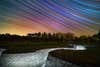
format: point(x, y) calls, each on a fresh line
point(24, 47)
point(86, 58)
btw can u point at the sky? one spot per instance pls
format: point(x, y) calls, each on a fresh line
point(81, 17)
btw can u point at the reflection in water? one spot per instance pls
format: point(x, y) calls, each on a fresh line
point(80, 47)
point(35, 59)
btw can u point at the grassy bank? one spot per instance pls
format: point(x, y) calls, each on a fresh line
point(19, 47)
point(87, 58)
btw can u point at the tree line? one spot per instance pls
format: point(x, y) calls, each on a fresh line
point(51, 37)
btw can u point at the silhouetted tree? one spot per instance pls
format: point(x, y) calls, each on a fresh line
point(39, 34)
point(98, 35)
point(96, 38)
point(69, 36)
point(56, 37)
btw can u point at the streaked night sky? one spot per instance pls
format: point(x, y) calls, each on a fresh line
point(81, 17)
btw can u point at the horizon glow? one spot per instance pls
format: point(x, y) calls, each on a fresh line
point(81, 17)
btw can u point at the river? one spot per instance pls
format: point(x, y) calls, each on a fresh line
point(35, 59)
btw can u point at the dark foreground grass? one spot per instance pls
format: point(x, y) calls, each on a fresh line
point(87, 58)
point(22, 47)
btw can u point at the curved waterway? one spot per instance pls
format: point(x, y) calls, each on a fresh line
point(33, 59)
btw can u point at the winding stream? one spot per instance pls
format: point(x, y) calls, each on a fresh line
point(34, 59)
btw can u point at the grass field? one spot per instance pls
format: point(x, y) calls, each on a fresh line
point(19, 47)
point(87, 58)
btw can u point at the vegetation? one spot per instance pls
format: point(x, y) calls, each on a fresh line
point(51, 37)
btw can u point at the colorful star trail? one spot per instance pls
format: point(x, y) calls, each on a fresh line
point(81, 17)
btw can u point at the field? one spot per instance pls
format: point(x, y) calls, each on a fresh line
point(22, 47)
point(87, 58)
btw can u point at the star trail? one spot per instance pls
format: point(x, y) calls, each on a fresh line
point(81, 17)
